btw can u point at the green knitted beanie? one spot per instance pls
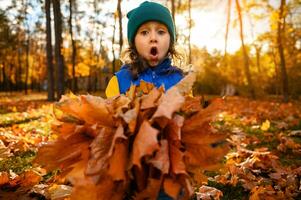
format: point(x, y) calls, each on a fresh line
point(149, 11)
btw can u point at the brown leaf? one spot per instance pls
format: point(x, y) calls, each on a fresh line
point(173, 130)
point(118, 136)
point(130, 117)
point(150, 100)
point(106, 189)
point(145, 87)
point(151, 191)
point(99, 152)
point(204, 156)
point(63, 152)
point(204, 147)
point(185, 85)
point(161, 159)
point(171, 187)
point(118, 161)
point(4, 178)
point(30, 178)
point(67, 129)
point(145, 143)
point(169, 103)
point(260, 192)
point(176, 160)
point(90, 109)
point(59, 191)
point(208, 193)
point(94, 110)
point(117, 105)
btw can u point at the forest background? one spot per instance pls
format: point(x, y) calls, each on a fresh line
point(247, 48)
point(254, 47)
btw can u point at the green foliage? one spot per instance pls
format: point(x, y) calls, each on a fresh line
point(230, 192)
point(18, 163)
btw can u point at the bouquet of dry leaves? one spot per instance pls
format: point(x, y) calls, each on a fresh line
point(133, 145)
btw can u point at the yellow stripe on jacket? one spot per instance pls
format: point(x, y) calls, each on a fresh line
point(112, 88)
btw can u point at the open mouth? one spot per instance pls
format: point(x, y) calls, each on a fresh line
point(154, 51)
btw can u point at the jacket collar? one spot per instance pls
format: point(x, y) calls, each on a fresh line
point(162, 67)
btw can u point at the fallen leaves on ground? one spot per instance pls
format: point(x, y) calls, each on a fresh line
point(263, 161)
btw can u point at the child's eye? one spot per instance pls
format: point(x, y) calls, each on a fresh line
point(143, 32)
point(161, 32)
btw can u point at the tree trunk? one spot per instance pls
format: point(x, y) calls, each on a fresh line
point(246, 57)
point(50, 78)
point(189, 35)
point(280, 31)
point(258, 52)
point(173, 10)
point(4, 78)
point(73, 59)
point(113, 42)
point(27, 65)
point(173, 13)
point(120, 26)
point(227, 25)
point(58, 44)
point(19, 67)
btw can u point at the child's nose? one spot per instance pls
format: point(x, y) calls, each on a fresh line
point(153, 36)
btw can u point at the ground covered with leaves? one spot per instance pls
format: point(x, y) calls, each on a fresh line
point(263, 161)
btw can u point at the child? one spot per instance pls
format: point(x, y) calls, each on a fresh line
point(151, 37)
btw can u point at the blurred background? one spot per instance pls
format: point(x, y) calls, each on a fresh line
point(250, 48)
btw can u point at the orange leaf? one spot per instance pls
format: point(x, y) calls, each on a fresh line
point(173, 130)
point(169, 103)
point(118, 161)
point(208, 193)
point(176, 160)
point(106, 189)
point(130, 116)
point(145, 86)
point(145, 143)
point(30, 178)
point(118, 136)
point(63, 152)
point(4, 178)
point(99, 152)
point(161, 159)
point(149, 101)
point(185, 85)
point(88, 108)
point(171, 187)
point(151, 191)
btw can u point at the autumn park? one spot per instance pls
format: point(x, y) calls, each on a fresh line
point(230, 129)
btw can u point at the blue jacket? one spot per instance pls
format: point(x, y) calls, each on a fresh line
point(162, 74)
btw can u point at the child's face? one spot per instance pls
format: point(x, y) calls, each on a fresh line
point(152, 42)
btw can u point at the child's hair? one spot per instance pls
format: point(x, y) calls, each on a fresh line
point(147, 11)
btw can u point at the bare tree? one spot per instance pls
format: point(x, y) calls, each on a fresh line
point(246, 57)
point(113, 50)
point(73, 42)
point(173, 10)
point(50, 78)
point(189, 34)
point(58, 45)
point(280, 31)
point(227, 25)
point(120, 25)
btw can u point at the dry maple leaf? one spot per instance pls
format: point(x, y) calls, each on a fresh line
point(132, 145)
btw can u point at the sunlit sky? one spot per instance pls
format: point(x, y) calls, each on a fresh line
point(209, 23)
